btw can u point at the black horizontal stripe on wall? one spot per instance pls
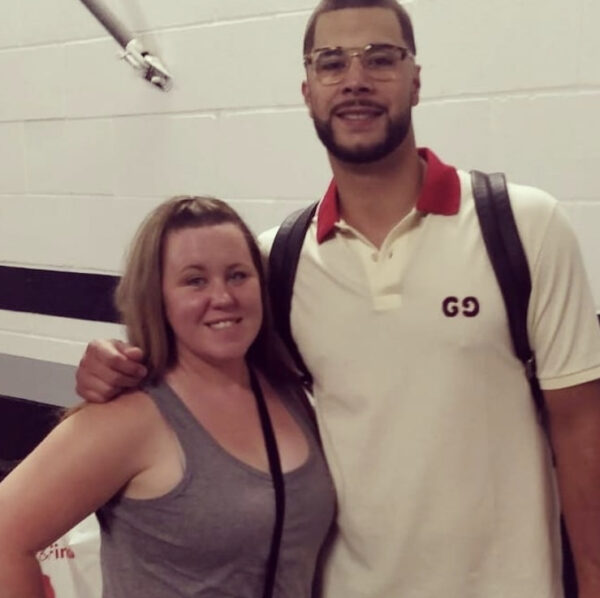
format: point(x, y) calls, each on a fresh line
point(55, 293)
point(23, 424)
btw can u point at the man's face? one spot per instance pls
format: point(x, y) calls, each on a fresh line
point(360, 119)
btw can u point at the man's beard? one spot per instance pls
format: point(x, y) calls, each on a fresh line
point(396, 132)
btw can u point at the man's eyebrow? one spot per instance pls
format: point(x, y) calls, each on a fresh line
point(330, 48)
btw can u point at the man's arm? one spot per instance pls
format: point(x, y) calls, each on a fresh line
point(107, 368)
point(574, 415)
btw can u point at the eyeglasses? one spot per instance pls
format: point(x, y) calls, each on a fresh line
point(380, 61)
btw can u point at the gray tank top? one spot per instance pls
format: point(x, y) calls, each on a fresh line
point(210, 535)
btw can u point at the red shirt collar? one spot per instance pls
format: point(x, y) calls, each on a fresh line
point(440, 194)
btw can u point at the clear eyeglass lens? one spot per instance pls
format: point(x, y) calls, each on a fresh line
point(381, 59)
point(380, 62)
point(331, 63)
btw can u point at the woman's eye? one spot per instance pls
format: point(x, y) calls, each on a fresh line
point(238, 275)
point(196, 281)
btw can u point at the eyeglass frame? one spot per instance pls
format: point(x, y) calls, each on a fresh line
point(355, 51)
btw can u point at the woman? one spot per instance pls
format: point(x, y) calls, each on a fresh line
point(178, 471)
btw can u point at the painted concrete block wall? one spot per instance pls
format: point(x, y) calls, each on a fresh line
point(87, 148)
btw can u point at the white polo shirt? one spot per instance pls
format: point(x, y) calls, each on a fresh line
point(444, 482)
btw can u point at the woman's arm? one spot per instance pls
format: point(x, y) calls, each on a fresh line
point(80, 465)
point(23, 579)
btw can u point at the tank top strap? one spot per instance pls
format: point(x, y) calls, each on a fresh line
point(178, 416)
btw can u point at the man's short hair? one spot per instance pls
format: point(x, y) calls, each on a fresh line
point(331, 5)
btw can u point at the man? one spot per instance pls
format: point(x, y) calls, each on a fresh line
point(444, 477)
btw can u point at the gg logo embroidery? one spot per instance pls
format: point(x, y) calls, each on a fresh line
point(453, 306)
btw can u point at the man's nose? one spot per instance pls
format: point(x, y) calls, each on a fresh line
point(356, 78)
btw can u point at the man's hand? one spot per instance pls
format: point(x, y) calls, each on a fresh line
point(107, 368)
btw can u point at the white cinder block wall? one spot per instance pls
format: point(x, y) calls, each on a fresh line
point(87, 148)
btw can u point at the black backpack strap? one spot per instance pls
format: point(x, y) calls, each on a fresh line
point(505, 250)
point(508, 259)
point(283, 263)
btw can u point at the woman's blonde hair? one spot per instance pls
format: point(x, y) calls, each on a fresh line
point(138, 296)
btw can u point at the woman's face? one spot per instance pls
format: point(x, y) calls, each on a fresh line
point(211, 292)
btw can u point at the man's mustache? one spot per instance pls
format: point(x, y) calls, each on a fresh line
point(358, 103)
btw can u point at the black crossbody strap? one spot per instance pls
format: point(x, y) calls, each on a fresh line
point(278, 484)
point(506, 253)
point(283, 263)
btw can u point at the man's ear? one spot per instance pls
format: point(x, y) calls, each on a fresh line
point(416, 85)
point(306, 95)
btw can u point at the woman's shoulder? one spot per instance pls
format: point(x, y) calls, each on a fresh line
point(121, 433)
point(132, 412)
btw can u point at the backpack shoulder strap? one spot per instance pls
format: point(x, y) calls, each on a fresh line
point(283, 263)
point(506, 253)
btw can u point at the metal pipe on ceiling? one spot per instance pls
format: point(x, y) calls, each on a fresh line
point(150, 66)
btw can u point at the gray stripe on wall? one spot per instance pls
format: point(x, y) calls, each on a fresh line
point(36, 380)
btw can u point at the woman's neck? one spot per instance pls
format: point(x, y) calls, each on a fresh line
point(192, 372)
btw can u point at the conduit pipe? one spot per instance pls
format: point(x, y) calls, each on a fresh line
point(151, 67)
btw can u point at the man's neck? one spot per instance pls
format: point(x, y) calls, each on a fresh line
point(375, 197)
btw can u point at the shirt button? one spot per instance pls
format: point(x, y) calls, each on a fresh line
point(374, 257)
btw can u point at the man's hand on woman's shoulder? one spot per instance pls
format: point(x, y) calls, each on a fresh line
point(107, 368)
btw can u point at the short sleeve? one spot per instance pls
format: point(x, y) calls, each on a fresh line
point(562, 322)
